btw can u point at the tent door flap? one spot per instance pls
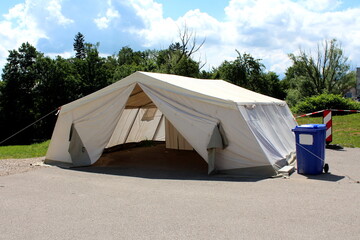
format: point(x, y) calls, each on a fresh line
point(77, 150)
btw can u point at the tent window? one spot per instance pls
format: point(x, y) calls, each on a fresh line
point(149, 114)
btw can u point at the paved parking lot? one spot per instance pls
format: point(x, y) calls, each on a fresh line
point(116, 203)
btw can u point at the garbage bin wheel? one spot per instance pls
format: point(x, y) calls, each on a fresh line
point(326, 168)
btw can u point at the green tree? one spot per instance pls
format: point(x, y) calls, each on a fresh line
point(79, 45)
point(172, 61)
point(127, 56)
point(248, 72)
point(325, 101)
point(178, 57)
point(17, 98)
point(34, 85)
point(275, 87)
point(130, 61)
point(188, 43)
point(327, 71)
point(208, 74)
point(57, 84)
point(296, 85)
point(92, 70)
point(244, 71)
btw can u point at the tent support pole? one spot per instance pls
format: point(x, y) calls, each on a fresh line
point(158, 126)
point(132, 124)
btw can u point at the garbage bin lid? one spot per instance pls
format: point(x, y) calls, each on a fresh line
point(309, 127)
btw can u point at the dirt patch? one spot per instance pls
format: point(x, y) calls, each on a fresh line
point(13, 166)
point(154, 157)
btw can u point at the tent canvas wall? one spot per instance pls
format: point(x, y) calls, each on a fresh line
point(233, 129)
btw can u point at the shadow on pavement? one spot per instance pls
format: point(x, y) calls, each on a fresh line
point(325, 177)
point(157, 162)
point(166, 174)
point(334, 147)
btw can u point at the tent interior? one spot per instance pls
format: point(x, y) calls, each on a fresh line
point(143, 137)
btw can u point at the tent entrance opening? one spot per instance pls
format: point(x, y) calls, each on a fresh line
point(144, 136)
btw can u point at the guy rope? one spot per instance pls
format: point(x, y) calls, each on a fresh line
point(57, 111)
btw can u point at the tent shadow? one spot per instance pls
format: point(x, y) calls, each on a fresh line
point(157, 162)
point(165, 174)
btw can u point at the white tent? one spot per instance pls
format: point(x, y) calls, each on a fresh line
point(233, 129)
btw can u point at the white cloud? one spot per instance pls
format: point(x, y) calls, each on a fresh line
point(203, 24)
point(102, 22)
point(160, 31)
point(24, 23)
point(19, 26)
point(320, 5)
point(149, 10)
point(54, 8)
point(110, 15)
point(157, 29)
point(268, 30)
point(67, 54)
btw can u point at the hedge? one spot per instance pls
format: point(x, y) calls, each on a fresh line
point(325, 101)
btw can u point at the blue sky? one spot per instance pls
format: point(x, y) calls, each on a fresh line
point(176, 8)
point(267, 29)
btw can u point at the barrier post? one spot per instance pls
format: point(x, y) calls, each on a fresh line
point(327, 120)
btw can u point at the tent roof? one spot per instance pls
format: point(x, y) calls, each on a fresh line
point(213, 88)
point(217, 92)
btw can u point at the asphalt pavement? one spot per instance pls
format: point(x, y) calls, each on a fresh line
point(114, 203)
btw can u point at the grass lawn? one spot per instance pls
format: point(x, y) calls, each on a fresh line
point(346, 128)
point(24, 151)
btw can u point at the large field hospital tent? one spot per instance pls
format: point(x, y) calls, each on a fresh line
point(233, 129)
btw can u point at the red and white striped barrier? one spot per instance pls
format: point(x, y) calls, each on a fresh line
point(333, 110)
point(338, 110)
point(327, 120)
point(308, 114)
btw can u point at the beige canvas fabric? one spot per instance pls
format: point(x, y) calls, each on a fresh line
point(230, 127)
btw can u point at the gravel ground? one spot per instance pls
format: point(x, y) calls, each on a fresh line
point(13, 166)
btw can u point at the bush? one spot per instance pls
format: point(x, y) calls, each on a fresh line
point(325, 101)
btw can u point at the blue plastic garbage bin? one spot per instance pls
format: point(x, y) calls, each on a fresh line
point(310, 148)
